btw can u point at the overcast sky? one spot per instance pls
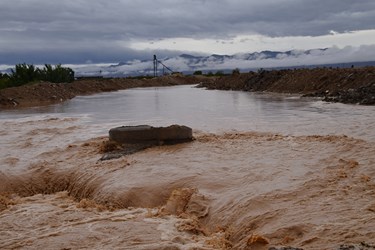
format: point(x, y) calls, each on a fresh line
point(102, 31)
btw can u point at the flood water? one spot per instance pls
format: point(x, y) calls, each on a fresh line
point(210, 111)
point(264, 170)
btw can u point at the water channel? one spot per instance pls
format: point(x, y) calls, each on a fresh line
point(281, 186)
point(209, 111)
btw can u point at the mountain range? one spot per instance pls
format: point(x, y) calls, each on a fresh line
point(187, 63)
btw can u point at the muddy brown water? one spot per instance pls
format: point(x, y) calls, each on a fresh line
point(265, 170)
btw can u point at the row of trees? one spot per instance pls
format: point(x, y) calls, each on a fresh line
point(26, 73)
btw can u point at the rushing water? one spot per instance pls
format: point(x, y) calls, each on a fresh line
point(292, 189)
point(211, 111)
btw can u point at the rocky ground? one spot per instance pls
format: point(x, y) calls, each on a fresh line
point(354, 85)
point(45, 93)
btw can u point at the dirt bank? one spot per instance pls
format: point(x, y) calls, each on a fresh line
point(48, 93)
point(354, 85)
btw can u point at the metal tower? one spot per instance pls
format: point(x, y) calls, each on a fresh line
point(156, 62)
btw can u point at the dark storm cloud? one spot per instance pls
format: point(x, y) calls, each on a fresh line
point(101, 30)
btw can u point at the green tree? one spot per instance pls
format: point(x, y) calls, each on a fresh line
point(4, 76)
point(4, 80)
point(57, 74)
point(236, 71)
point(24, 73)
point(197, 72)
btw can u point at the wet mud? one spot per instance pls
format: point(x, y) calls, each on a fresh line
point(236, 190)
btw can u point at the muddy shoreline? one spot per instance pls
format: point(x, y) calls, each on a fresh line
point(352, 86)
point(45, 93)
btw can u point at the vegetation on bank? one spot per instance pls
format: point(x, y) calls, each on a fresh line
point(24, 74)
point(219, 73)
point(209, 73)
point(27, 73)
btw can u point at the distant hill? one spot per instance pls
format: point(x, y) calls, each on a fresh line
point(187, 64)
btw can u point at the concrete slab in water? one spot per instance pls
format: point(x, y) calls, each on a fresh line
point(147, 134)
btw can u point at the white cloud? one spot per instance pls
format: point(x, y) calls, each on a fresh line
point(295, 58)
point(253, 43)
point(42, 31)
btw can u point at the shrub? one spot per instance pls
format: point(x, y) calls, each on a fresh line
point(261, 71)
point(236, 71)
point(219, 73)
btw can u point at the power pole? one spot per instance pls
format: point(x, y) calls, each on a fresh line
point(155, 66)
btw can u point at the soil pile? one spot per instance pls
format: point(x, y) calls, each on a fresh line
point(45, 93)
point(354, 85)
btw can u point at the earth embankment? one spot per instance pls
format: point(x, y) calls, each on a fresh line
point(45, 93)
point(354, 85)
